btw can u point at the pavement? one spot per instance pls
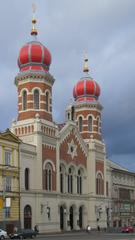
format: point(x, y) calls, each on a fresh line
point(93, 234)
point(88, 236)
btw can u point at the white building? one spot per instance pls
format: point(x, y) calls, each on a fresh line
point(64, 172)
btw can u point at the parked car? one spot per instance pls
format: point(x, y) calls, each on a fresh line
point(3, 234)
point(127, 229)
point(26, 233)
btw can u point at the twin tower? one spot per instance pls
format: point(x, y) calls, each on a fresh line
point(34, 83)
point(74, 147)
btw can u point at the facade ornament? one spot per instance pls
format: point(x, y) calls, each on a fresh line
point(72, 149)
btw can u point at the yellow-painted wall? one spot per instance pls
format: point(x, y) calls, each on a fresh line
point(13, 171)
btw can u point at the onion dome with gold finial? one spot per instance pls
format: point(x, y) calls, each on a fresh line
point(86, 89)
point(34, 56)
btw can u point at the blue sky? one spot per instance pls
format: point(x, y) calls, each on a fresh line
point(105, 29)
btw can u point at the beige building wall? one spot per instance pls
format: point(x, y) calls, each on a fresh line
point(9, 178)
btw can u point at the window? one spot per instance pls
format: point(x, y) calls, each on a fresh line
point(8, 158)
point(98, 125)
point(24, 100)
point(27, 173)
point(8, 184)
point(80, 124)
point(61, 183)
point(70, 181)
point(7, 212)
point(62, 178)
point(36, 99)
point(79, 182)
point(47, 101)
point(99, 184)
point(48, 177)
point(124, 194)
point(72, 113)
point(27, 217)
point(107, 193)
point(90, 127)
point(27, 211)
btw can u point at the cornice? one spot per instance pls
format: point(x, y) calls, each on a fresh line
point(34, 76)
point(87, 105)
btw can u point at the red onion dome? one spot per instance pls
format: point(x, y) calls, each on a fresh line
point(34, 56)
point(86, 89)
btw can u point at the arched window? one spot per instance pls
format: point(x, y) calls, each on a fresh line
point(107, 192)
point(27, 176)
point(99, 184)
point(81, 216)
point(80, 124)
point(79, 182)
point(47, 101)
point(62, 179)
point(70, 180)
point(68, 116)
point(72, 113)
point(90, 124)
point(36, 99)
point(48, 177)
point(27, 216)
point(24, 100)
point(98, 124)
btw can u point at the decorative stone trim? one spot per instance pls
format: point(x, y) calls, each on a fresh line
point(65, 133)
point(35, 75)
point(51, 162)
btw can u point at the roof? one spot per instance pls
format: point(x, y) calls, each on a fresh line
point(9, 136)
point(115, 167)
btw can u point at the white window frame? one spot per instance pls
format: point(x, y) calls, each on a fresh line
point(8, 157)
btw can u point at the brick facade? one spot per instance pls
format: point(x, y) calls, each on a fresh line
point(100, 166)
point(49, 153)
point(64, 147)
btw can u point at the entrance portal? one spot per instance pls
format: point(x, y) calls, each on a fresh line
point(81, 217)
point(27, 216)
point(61, 218)
point(71, 218)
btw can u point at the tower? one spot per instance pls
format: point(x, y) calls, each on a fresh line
point(34, 82)
point(87, 115)
point(47, 150)
point(34, 85)
point(87, 108)
point(35, 126)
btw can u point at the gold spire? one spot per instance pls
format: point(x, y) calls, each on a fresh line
point(85, 67)
point(34, 30)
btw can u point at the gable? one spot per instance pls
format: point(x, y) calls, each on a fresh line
point(9, 136)
point(72, 147)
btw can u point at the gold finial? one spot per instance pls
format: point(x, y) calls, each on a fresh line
point(86, 67)
point(34, 31)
